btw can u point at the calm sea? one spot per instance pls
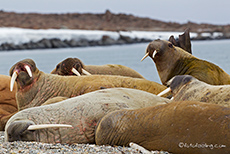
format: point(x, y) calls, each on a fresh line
point(217, 51)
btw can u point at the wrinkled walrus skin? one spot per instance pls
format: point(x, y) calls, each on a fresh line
point(177, 127)
point(82, 112)
point(65, 67)
point(171, 61)
point(188, 88)
point(35, 90)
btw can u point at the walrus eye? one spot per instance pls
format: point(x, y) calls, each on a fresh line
point(170, 45)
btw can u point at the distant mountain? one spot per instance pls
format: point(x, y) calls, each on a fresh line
point(107, 21)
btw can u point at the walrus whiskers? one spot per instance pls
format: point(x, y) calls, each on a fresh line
point(43, 126)
point(147, 54)
point(75, 72)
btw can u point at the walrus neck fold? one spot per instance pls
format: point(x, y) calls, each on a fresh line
point(173, 62)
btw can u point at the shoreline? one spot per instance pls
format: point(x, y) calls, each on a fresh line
point(27, 39)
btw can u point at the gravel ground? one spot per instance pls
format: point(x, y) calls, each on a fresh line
point(41, 148)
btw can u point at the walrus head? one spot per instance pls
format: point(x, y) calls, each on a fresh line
point(24, 72)
point(176, 83)
point(157, 49)
point(70, 66)
point(27, 130)
point(165, 55)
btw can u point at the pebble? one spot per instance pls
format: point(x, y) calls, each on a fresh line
point(47, 148)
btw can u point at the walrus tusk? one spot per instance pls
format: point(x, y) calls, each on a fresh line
point(146, 55)
point(13, 78)
point(164, 92)
point(85, 72)
point(140, 148)
point(28, 70)
point(154, 53)
point(75, 72)
point(43, 126)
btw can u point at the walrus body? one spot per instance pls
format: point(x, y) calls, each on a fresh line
point(82, 112)
point(177, 127)
point(8, 105)
point(65, 68)
point(171, 61)
point(35, 90)
point(188, 88)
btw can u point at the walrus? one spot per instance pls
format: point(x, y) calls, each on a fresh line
point(188, 88)
point(74, 66)
point(81, 113)
point(171, 61)
point(35, 87)
point(177, 127)
point(8, 105)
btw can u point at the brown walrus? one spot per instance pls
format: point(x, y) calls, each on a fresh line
point(74, 66)
point(188, 88)
point(171, 61)
point(81, 112)
point(176, 127)
point(35, 87)
point(8, 105)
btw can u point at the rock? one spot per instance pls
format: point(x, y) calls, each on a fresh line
point(126, 39)
point(46, 43)
point(106, 40)
point(57, 43)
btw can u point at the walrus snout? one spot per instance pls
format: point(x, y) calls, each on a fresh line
point(27, 65)
point(178, 81)
point(70, 66)
point(156, 48)
point(151, 51)
point(25, 130)
point(17, 131)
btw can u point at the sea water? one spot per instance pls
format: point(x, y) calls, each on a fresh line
point(215, 51)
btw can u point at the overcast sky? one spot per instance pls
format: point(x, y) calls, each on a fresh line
point(182, 11)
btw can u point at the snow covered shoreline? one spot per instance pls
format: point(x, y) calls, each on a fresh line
point(18, 38)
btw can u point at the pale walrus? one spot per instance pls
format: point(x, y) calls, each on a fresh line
point(35, 87)
point(171, 61)
point(81, 112)
point(176, 127)
point(74, 66)
point(188, 88)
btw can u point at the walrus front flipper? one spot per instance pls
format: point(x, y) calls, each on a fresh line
point(183, 42)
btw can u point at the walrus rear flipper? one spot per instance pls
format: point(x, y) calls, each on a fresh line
point(183, 42)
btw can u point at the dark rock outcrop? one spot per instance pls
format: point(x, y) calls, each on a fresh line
point(57, 43)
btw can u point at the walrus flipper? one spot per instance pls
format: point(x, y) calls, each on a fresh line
point(183, 41)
